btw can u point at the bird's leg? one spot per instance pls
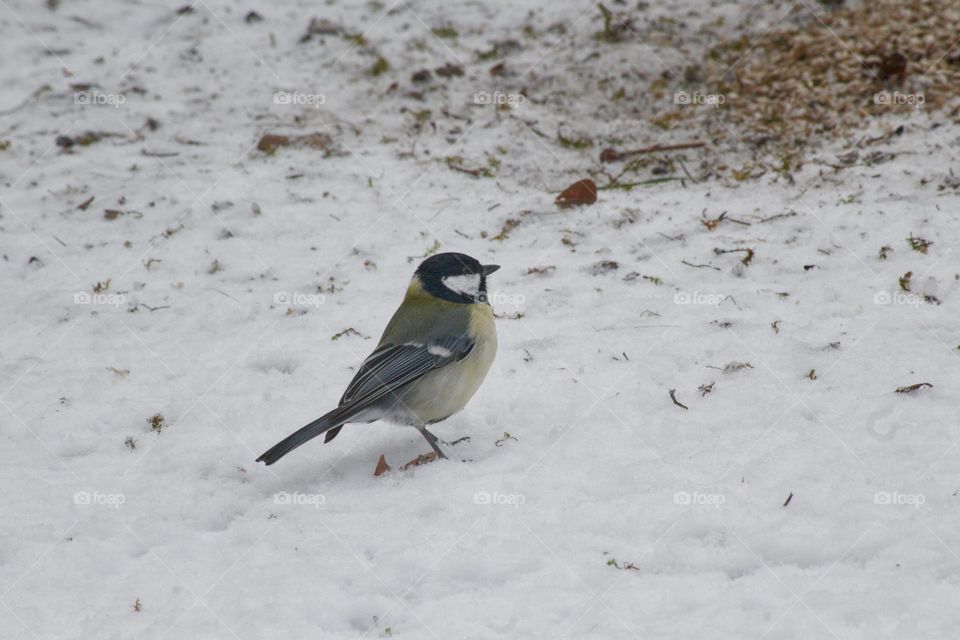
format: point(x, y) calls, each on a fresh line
point(432, 440)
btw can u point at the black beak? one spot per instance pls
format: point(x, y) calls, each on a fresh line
point(487, 269)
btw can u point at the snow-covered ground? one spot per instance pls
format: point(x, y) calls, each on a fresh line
point(231, 292)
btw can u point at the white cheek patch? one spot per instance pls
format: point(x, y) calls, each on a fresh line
point(468, 285)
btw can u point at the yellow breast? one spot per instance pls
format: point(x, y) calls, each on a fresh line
point(451, 387)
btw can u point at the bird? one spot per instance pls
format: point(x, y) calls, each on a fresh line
point(432, 357)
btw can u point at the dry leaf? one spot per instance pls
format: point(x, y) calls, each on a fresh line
point(449, 70)
point(421, 459)
point(382, 467)
point(271, 142)
point(319, 141)
point(581, 192)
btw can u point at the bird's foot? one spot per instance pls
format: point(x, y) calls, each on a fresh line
point(458, 441)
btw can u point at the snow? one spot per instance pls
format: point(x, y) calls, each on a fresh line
point(609, 511)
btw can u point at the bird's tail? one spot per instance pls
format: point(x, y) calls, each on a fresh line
point(332, 420)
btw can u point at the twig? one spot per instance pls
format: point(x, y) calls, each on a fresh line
point(713, 223)
point(730, 298)
point(476, 173)
point(612, 562)
point(684, 167)
point(630, 185)
point(700, 266)
point(779, 215)
point(913, 387)
point(612, 155)
point(745, 260)
point(501, 441)
point(33, 96)
point(223, 293)
point(675, 401)
point(349, 331)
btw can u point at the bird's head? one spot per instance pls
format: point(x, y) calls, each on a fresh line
point(455, 277)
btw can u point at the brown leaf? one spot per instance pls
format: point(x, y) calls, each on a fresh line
point(421, 459)
point(271, 142)
point(541, 270)
point(609, 155)
point(316, 141)
point(421, 76)
point(581, 192)
point(713, 223)
point(382, 467)
point(449, 70)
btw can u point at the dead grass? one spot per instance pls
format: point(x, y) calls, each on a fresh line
point(820, 81)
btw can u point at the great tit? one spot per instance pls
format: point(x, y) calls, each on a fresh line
point(431, 359)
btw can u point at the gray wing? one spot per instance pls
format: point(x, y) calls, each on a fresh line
point(393, 365)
